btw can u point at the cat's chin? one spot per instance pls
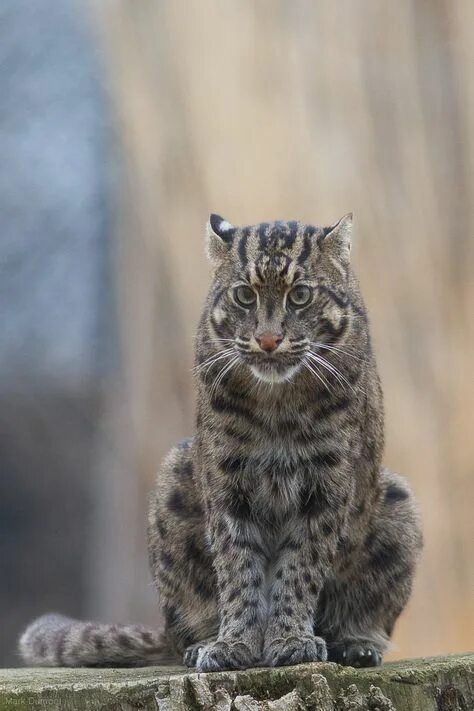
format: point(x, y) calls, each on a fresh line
point(272, 376)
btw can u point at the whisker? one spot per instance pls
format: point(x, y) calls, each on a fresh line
point(214, 358)
point(338, 350)
point(225, 369)
point(337, 373)
point(331, 369)
point(328, 366)
point(314, 372)
point(218, 340)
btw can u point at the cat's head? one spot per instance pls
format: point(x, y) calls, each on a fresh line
point(279, 289)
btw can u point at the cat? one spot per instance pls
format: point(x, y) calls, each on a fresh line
point(276, 536)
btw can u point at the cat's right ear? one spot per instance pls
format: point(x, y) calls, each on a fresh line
point(220, 235)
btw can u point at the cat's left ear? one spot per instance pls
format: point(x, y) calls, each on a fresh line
point(339, 236)
point(220, 235)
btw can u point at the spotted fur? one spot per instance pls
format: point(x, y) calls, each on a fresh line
point(276, 536)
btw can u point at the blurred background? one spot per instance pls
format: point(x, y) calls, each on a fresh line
point(122, 126)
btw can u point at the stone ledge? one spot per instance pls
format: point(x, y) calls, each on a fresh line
point(431, 684)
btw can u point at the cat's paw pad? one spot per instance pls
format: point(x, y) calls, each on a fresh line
point(295, 650)
point(225, 655)
point(356, 654)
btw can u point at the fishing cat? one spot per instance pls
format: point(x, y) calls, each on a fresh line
point(276, 536)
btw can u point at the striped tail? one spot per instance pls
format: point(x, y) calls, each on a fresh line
point(55, 640)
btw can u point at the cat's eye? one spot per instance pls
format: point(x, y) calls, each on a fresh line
point(245, 296)
point(300, 295)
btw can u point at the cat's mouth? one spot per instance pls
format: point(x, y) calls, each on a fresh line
point(279, 367)
point(268, 373)
point(273, 370)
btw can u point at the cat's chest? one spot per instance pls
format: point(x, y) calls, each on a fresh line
point(277, 477)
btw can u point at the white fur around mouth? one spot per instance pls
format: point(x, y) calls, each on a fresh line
point(269, 375)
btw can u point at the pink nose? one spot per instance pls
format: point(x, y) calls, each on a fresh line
point(269, 341)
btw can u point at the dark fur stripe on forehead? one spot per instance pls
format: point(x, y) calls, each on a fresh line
point(277, 235)
point(291, 236)
point(276, 240)
point(307, 243)
point(285, 262)
point(262, 235)
point(242, 247)
point(273, 265)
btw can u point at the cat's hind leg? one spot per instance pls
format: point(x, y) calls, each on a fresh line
point(358, 608)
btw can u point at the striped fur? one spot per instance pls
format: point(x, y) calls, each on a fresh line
point(275, 534)
point(56, 640)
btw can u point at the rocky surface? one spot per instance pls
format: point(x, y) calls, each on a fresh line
point(432, 684)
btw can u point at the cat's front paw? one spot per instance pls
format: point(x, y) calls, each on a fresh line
point(294, 650)
point(224, 654)
point(355, 653)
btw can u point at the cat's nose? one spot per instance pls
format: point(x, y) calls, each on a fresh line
point(269, 341)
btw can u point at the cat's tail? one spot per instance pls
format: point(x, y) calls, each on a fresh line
point(55, 640)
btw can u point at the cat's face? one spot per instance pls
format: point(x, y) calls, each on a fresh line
point(279, 290)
